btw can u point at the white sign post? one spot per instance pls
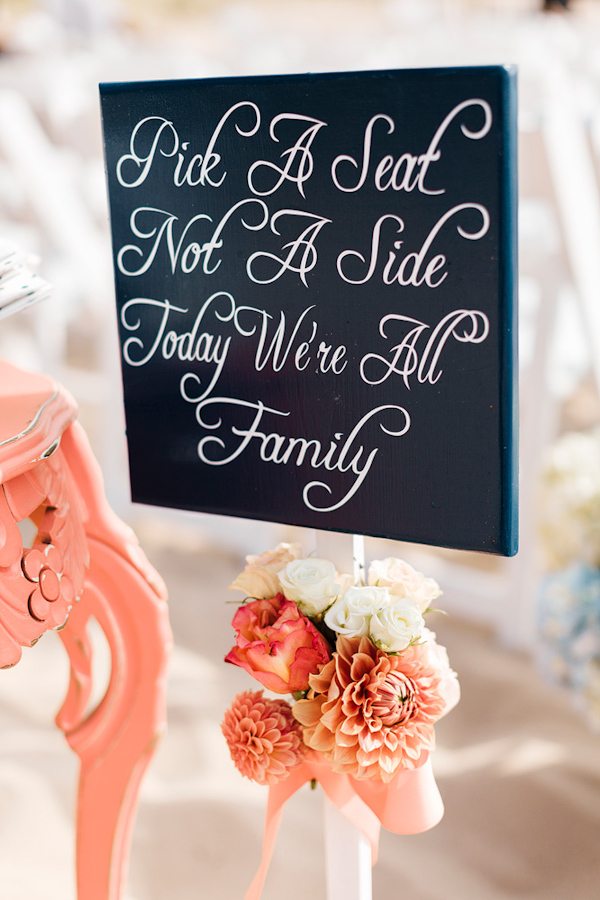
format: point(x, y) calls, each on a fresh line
point(347, 851)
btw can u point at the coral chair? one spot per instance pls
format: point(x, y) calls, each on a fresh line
point(83, 564)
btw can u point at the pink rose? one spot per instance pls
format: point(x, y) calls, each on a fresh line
point(403, 581)
point(277, 645)
point(438, 659)
point(259, 578)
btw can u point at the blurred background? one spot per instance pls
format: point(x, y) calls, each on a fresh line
point(518, 762)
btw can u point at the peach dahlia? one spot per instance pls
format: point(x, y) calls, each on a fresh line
point(264, 739)
point(371, 714)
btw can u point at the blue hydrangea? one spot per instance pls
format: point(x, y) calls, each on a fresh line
point(568, 616)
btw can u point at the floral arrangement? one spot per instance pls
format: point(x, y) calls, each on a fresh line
point(569, 500)
point(568, 603)
point(569, 628)
point(367, 679)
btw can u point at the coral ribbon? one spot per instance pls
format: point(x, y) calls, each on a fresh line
point(408, 804)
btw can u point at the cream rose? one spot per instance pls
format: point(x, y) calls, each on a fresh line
point(351, 613)
point(438, 658)
point(260, 577)
point(311, 583)
point(403, 581)
point(395, 627)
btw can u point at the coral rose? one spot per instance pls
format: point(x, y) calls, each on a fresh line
point(371, 714)
point(264, 740)
point(277, 645)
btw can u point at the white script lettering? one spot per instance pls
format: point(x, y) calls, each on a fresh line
point(405, 359)
point(155, 137)
point(186, 255)
point(302, 253)
point(299, 164)
point(279, 449)
point(188, 346)
point(407, 161)
point(408, 270)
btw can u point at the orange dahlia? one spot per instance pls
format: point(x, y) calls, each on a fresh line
point(371, 714)
point(264, 740)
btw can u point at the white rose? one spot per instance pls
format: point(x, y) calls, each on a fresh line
point(396, 626)
point(310, 583)
point(402, 580)
point(351, 613)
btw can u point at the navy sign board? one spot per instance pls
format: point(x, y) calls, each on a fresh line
point(315, 278)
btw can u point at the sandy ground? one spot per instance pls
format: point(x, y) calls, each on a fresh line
point(518, 770)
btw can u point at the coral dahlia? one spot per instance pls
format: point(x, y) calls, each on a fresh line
point(264, 740)
point(371, 714)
